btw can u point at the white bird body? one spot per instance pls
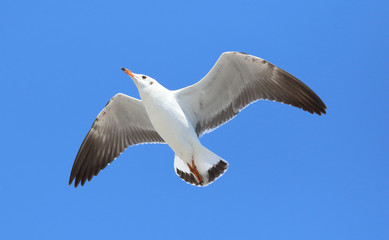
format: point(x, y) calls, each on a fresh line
point(169, 120)
point(172, 124)
point(180, 117)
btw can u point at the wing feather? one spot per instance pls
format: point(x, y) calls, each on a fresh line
point(123, 122)
point(235, 81)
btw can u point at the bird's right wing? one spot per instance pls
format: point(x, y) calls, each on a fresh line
point(235, 81)
point(123, 122)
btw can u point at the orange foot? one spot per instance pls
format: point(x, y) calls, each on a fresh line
point(193, 169)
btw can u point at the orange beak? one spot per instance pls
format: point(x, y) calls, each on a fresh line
point(128, 72)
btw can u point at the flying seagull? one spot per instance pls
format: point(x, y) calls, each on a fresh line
point(180, 117)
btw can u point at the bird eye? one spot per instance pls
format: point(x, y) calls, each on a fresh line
point(143, 77)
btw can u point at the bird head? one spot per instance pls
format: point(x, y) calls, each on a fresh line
point(140, 80)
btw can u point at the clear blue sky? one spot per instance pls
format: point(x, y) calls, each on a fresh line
point(292, 175)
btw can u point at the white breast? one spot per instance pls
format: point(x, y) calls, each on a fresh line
point(170, 121)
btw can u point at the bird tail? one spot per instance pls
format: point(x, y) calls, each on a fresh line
point(205, 168)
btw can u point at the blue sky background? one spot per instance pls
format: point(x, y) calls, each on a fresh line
point(292, 175)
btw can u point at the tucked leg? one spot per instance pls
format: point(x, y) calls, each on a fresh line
point(194, 170)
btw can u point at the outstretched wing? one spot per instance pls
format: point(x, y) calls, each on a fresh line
point(235, 81)
point(121, 123)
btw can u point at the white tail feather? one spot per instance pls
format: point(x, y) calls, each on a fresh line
point(209, 165)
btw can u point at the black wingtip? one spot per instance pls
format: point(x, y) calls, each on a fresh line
point(123, 69)
point(71, 180)
point(76, 181)
point(322, 110)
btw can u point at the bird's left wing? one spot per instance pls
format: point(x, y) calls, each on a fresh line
point(123, 122)
point(236, 80)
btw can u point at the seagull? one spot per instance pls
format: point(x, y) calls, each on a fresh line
point(180, 117)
